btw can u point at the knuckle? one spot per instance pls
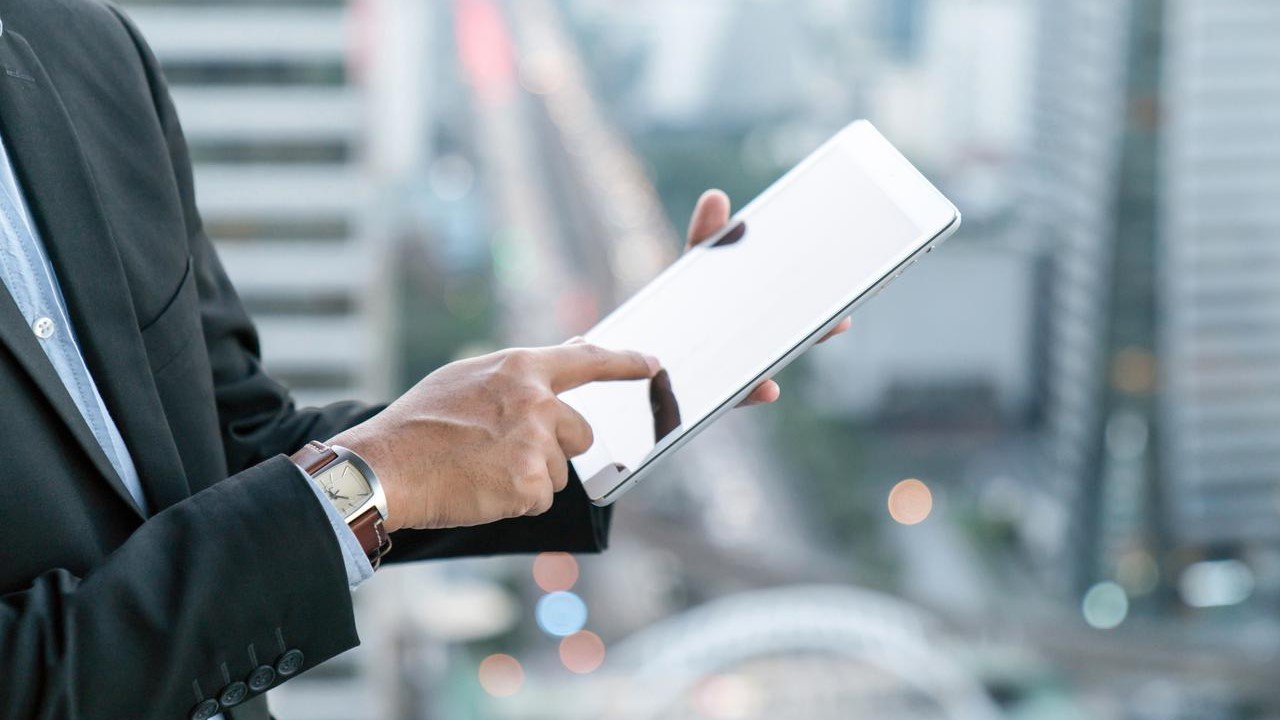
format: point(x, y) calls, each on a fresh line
point(578, 439)
point(517, 361)
point(541, 400)
point(521, 402)
point(541, 501)
point(534, 448)
point(533, 471)
point(561, 478)
point(529, 401)
point(548, 441)
point(596, 356)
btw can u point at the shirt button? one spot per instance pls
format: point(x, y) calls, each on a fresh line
point(43, 328)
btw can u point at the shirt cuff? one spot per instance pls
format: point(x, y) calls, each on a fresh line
point(359, 569)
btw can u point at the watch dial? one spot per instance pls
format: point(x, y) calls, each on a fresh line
point(346, 487)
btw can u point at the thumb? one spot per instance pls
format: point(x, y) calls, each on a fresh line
point(709, 216)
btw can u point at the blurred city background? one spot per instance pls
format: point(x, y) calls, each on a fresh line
point(1039, 480)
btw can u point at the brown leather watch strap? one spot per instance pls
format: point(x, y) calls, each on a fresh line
point(369, 527)
point(372, 534)
point(313, 456)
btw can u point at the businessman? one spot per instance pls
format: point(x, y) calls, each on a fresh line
point(177, 538)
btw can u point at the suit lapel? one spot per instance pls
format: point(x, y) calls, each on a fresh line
point(63, 198)
point(15, 334)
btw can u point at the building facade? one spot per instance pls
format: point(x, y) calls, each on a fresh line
point(1092, 153)
point(1153, 198)
point(1220, 226)
point(275, 114)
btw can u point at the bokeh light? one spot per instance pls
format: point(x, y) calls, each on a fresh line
point(543, 72)
point(555, 571)
point(910, 502)
point(1105, 606)
point(1137, 572)
point(1133, 370)
point(1216, 583)
point(727, 697)
point(485, 50)
point(451, 177)
point(561, 613)
point(501, 675)
point(582, 652)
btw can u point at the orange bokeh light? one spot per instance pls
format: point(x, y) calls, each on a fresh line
point(1133, 370)
point(555, 571)
point(910, 502)
point(501, 675)
point(582, 652)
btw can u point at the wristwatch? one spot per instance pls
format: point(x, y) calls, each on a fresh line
point(353, 488)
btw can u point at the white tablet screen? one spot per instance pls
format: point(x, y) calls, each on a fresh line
point(729, 310)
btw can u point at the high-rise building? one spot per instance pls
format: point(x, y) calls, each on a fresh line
point(1220, 232)
point(276, 121)
point(1157, 168)
point(1091, 206)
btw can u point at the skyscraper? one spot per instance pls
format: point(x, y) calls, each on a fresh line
point(1094, 148)
point(1157, 173)
point(274, 117)
point(1220, 227)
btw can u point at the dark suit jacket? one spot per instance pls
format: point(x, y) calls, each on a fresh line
point(104, 613)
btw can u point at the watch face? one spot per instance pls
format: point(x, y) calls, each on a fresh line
point(346, 487)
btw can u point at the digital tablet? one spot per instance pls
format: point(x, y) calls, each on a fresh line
point(739, 307)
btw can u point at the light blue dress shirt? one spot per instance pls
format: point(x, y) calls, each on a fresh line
point(30, 278)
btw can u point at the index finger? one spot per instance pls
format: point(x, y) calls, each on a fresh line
point(568, 366)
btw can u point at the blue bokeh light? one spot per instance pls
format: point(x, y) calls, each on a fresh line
point(561, 613)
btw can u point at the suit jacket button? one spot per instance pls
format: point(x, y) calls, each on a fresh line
point(233, 694)
point(261, 678)
point(289, 663)
point(205, 710)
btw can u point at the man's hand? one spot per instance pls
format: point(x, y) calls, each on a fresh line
point(486, 439)
point(710, 215)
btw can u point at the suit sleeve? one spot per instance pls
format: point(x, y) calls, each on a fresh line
point(214, 587)
point(259, 418)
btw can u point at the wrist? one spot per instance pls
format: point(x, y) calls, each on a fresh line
point(352, 487)
point(377, 454)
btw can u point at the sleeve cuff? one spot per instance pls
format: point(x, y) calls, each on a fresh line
point(359, 569)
